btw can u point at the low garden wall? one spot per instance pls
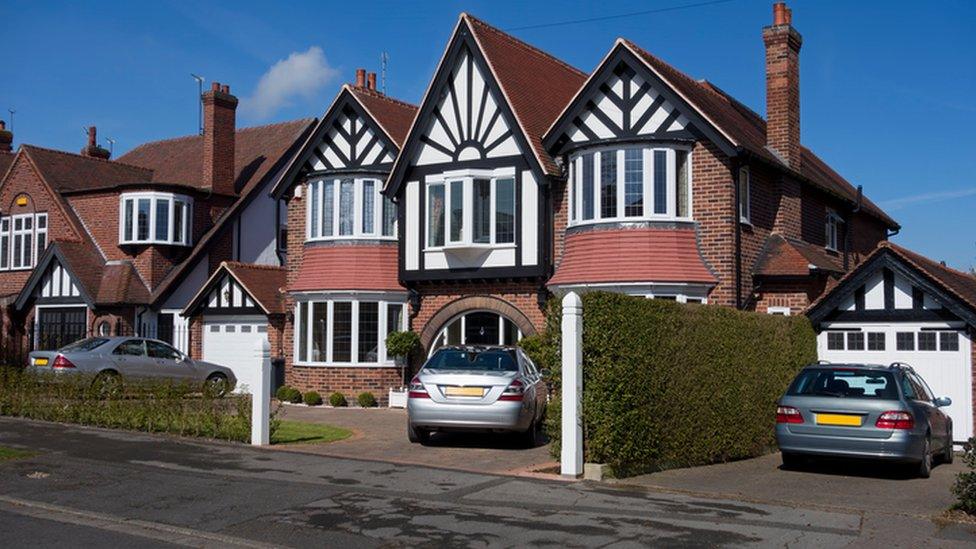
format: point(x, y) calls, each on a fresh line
point(670, 385)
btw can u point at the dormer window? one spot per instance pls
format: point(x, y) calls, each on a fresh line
point(471, 209)
point(348, 207)
point(155, 218)
point(630, 183)
point(834, 230)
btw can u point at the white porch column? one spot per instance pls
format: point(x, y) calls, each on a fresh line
point(571, 462)
point(261, 397)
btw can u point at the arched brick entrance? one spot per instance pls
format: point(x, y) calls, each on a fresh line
point(474, 303)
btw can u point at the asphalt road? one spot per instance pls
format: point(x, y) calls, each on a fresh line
point(92, 487)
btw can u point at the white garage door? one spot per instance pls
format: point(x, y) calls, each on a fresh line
point(230, 341)
point(940, 354)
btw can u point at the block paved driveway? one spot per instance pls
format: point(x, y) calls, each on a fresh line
point(381, 434)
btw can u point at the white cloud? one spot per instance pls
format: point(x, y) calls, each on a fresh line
point(301, 75)
point(925, 198)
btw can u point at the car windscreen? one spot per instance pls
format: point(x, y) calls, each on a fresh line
point(84, 345)
point(491, 360)
point(844, 383)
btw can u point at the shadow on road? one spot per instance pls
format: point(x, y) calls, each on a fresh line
point(856, 468)
point(473, 439)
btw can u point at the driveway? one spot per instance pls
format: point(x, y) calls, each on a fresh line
point(380, 434)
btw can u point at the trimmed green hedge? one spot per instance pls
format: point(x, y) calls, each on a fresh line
point(671, 385)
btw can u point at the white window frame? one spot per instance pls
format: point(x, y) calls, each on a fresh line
point(173, 200)
point(744, 198)
point(329, 300)
point(10, 235)
point(318, 186)
point(467, 179)
point(576, 184)
point(832, 230)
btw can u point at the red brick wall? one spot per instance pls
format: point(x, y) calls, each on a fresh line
point(796, 295)
point(713, 207)
point(347, 380)
point(218, 140)
point(783, 91)
point(560, 219)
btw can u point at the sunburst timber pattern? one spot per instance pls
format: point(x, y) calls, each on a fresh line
point(350, 143)
point(467, 123)
point(626, 105)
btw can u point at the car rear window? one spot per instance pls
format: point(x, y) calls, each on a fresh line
point(844, 383)
point(493, 360)
point(84, 345)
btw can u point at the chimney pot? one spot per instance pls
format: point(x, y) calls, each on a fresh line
point(371, 81)
point(781, 14)
point(92, 141)
point(3, 125)
point(6, 138)
point(360, 78)
point(225, 89)
point(215, 86)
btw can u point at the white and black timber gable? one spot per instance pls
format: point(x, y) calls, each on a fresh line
point(224, 294)
point(625, 100)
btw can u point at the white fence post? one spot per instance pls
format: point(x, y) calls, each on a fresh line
point(571, 462)
point(261, 397)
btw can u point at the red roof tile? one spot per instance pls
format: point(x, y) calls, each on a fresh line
point(632, 255)
point(109, 283)
point(367, 267)
point(67, 172)
point(6, 160)
point(790, 257)
point(536, 84)
point(264, 282)
point(393, 115)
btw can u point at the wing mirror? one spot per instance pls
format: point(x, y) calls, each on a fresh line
point(942, 402)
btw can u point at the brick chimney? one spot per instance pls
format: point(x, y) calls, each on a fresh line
point(6, 138)
point(92, 149)
point(783, 85)
point(371, 81)
point(219, 108)
point(360, 78)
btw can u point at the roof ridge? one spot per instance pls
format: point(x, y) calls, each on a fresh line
point(935, 263)
point(198, 136)
point(520, 43)
point(76, 155)
point(377, 95)
point(254, 266)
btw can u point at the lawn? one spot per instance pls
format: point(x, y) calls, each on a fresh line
point(291, 432)
point(13, 453)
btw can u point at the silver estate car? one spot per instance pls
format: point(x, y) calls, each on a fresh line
point(491, 388)
point(113, 359)
point(863, 411)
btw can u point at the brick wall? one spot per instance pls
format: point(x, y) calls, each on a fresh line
point(560, 219)
point(713, 207)
point(795, 294)
point(347, 380)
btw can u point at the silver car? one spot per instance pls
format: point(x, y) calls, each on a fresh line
point(110, 360)
point(489, 388)
point(863, 411)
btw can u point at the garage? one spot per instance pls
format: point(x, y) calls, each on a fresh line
point(899, 306)
point(230, 341)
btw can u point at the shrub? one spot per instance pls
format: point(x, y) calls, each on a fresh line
point(401, 344)
point(366, 400)
point(313, 399)
point(289, 394)
point(671, 385)
point(965, 487)
point(338, 400)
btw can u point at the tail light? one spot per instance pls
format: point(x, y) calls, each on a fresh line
point(417, 389)
point(788, 414)
point(895, 419)
point(62, 362)
point(514, 392)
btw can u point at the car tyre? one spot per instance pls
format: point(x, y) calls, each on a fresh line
point(531, 435)
point(216, 386)
point(416, 435)
point(925, 466)
point(791, 461)
point(108, 384)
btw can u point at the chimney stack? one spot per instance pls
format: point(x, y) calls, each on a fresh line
point(219, 127)
point(371, 81)
point(92, 149)
point(783, 85)
point(360, 78)
point(6, 138)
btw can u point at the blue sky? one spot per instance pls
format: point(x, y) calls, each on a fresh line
point(886, 87)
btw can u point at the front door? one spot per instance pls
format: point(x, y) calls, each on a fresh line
point(60, 326)
point(481, 329)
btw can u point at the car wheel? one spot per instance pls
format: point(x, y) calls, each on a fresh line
point(925, 466)
point(107, 385)
point(791, 461)
point(215, 386)
point(416, 435)
point(947, 453)
point(531, 435)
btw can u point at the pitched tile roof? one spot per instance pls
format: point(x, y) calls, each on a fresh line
point(6, 160)
point(180, 160)
point(747, 129)
point(366, 267)
point(632, 255)
point(783, 256)
point(393, 115)
point(67, 172)
point(536, 84)
point(263, 282)
point(107, 283)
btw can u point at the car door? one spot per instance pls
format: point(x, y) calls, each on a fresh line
point(168, 363)
point(534, 378)
point(937, 418)
point(130, 358)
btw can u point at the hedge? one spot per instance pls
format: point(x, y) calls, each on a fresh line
point(672, 385)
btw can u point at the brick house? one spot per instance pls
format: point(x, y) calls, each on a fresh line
point(91, 245)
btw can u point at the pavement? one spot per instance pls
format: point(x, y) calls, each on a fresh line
point(94, 487)
point(381, 434)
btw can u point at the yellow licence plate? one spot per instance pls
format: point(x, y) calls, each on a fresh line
point(40, 362)
point(464, 391)
point(838, 419)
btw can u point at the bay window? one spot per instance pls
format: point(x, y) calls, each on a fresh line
point(346, 331)
point(472, 208)
point(155, 218)
point(639, 182)
point(23, 239)
point(349, 207)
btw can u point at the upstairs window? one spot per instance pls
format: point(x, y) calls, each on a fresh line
point(745, 199)
point(471, 208)
point(155, 218)
point(630, 183)
point(348, 207)
point(834, 230)
point(23, 239)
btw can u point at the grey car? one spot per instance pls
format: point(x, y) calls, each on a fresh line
point(481, 388)
point(863, 411)
point(111, 360)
